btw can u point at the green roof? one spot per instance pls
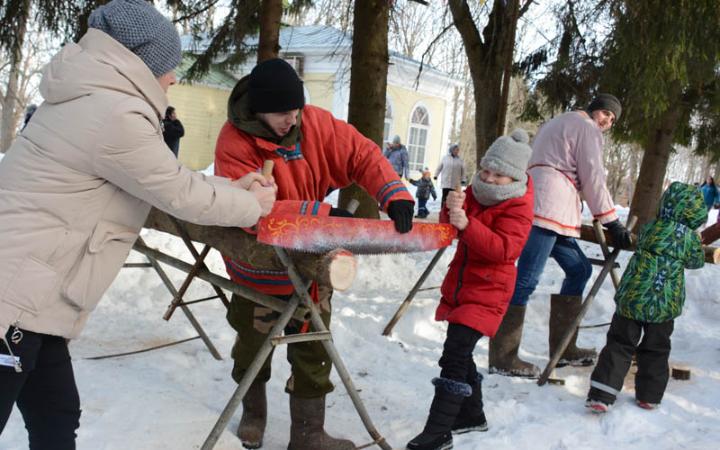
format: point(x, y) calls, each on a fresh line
point(215, 77)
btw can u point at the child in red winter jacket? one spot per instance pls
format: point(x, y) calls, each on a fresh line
point(493, 218)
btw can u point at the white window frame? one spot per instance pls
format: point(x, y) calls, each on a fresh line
point(417, 154)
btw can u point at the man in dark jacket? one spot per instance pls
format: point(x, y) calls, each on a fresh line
point(173, 130)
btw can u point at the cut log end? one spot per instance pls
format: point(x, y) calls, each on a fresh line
point(339, 268)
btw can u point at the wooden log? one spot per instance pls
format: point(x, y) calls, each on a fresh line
point(680, 373)
point(238, 244)
point(711, 234)
point(587, 233)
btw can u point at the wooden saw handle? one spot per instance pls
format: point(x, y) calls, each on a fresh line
point(267, 169)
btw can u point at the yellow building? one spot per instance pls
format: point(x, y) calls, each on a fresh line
point(420, 115)
point(202, 109)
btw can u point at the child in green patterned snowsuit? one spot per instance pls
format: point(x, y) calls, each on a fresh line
point(650, 296)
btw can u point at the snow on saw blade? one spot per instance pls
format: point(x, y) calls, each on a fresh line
point(320, 234)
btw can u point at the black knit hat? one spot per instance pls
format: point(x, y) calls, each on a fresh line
point(274, 86)
point(607, 102)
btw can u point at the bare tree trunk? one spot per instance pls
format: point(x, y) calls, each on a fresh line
point(653, 167)
point(488, 57)
point(456, 122)
point(507, 71)
point(632, 172)
point(10, 99)
point(690, 169)
point(368, 85)
point(83, 16)
point(269, 39)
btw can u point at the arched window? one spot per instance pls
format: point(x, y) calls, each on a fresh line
point(418, 136)
point(388, 121)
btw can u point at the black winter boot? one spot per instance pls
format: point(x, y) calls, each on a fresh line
point(307, 430)
point(563, 311)
point(504, 346)
point(471, 416)
point(254, 417)
point(449, 396)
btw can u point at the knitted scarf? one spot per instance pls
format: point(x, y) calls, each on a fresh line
point(491, 194)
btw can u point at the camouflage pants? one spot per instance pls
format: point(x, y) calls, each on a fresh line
point(309, 361)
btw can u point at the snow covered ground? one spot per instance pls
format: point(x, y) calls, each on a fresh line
point(171, 398)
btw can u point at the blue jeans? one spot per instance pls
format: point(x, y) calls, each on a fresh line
point(422, 207)
point(542, 244)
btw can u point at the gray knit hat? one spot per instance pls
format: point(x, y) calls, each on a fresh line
point(509, 155)
point(141, 28)
point(607, 102)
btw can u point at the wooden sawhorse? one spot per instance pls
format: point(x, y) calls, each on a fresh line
point(299, 307)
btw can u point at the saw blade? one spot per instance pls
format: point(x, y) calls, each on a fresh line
point(321, 234)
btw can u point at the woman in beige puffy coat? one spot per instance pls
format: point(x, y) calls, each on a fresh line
point(75, 190)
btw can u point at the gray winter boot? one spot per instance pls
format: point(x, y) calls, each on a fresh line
point(254, 417)
point(307, 430)
point(503, 354)
point(563, 311)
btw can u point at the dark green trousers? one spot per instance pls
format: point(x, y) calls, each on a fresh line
point(309, 361)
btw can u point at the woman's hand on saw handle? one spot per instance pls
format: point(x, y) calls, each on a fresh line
point(262, 186)
point(265, 195)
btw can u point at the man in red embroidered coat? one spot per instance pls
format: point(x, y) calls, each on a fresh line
point(314, 153)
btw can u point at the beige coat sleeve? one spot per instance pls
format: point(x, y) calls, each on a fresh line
point(132, 155)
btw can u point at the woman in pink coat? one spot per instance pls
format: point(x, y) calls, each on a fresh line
point(493, 218)
point(567, 167)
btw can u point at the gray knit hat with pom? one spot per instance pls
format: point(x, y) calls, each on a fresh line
point(141, 28)
point(509, 155)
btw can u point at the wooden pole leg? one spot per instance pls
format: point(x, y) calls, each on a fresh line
point(411, 295)
point(319, 326)
point(234, 403)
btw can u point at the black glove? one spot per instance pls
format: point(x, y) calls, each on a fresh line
point(401, 212)
point(339, 212)
point(620, 235)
